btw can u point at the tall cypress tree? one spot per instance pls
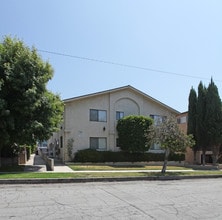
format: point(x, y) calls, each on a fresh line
point(214, 120)
point(192, 119)
point(201, 131)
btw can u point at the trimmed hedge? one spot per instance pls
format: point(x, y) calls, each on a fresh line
point(132, 131)
point(94, 156)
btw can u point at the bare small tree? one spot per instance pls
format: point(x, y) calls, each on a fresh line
point(170, 137)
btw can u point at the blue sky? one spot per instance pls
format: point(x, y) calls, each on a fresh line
point(183, 39)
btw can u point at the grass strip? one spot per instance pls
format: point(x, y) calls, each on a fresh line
point(48, 175)
point(122, 167)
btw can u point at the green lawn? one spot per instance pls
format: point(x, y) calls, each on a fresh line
point(30, 175)
point(122, 167)
point(17, 172)
point(48, 175)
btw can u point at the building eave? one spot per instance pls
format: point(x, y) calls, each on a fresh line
point(120, 89)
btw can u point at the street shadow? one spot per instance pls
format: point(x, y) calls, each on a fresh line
point(39, 165)
point(38, 160)
point(35, 168)
point(58, 162)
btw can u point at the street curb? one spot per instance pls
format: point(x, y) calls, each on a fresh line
point(111, 179)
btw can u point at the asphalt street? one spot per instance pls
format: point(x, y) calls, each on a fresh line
point(180, 199)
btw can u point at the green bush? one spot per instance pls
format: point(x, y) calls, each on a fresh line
point(132, 131)
point(176, 157)
point(88, 155)
point(94, 156)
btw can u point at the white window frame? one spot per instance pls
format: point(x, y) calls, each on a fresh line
point(182, 120)
point(100, 142)
point(158, 119)
point(119, 115)
point(98, 115)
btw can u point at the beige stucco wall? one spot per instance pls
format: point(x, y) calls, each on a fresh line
point(77, 123)
point(79, 127)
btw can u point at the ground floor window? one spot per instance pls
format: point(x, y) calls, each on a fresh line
point(98, 143)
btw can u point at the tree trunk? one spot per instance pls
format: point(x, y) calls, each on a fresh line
point(194, 156)
point(0, 156)
point(215, 151)
point(167, 152)
point(214, 158)
point(204, 157)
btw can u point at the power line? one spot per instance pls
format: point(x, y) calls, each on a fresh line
point(125, 65)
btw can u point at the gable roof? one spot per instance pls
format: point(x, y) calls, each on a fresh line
point(120, 89)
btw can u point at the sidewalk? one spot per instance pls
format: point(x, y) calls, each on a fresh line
point(59, 167)
point(37, 164)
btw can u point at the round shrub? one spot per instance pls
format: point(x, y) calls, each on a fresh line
point(132, 133)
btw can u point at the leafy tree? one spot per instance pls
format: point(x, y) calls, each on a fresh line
point(208, 135)
point(131, 131)
point(170, 138)
point(201, 133)
point(192, 118)
point(48, 115)
point(28, 111)
point(213, 120)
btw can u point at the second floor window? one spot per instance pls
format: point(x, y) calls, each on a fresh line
point(158, 119)
point(182, 120)
point(119, 115)
point(98, 115)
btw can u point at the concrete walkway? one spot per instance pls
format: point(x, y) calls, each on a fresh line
point(60, 167)
point(37, 164)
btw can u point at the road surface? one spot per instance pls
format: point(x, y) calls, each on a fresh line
point(181, 199)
